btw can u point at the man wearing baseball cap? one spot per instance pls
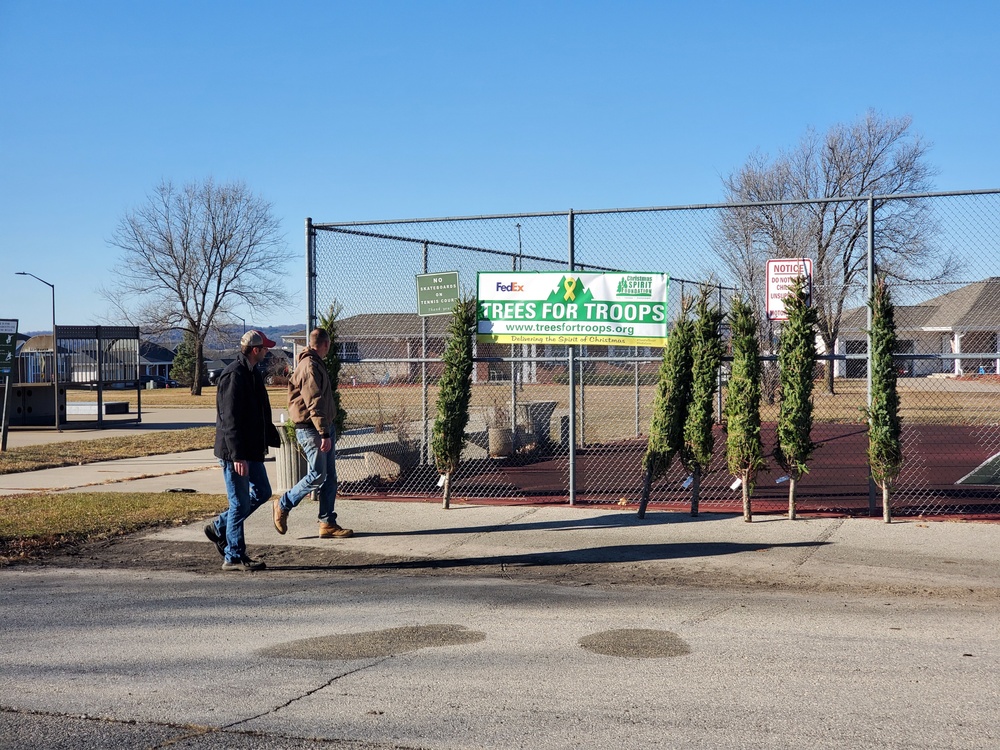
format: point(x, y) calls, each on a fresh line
point(243, 432)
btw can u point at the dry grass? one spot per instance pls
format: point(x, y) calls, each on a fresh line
point(33, 525)
point(173, 397)
point(34, 457)
point(610, 410)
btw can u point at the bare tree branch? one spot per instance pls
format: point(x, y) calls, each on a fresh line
point(876, 155)
point(191, 255)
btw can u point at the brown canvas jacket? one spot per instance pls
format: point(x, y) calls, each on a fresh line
point(310, 394)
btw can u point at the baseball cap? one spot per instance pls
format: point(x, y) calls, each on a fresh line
point(256, 338)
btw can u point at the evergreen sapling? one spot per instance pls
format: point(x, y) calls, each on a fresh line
point(796, 363)
point(332, 360)
point(885, 450)
point(706, 356)
point(454, 392)
point(744, 448)
point(673, 392)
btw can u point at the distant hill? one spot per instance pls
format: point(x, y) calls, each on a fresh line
point(171, 339)
point(276, 332)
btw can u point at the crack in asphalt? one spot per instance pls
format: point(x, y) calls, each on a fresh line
point(306, 694)
point(807, 552)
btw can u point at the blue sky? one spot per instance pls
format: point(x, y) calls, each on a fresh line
point(388, 109)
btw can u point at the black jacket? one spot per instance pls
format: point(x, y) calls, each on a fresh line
point(243, 427)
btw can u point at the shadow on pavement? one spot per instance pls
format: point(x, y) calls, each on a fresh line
point(624, 553)
point(609, 521)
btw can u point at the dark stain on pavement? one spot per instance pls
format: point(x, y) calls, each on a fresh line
point(636, 643)
point(374, 643)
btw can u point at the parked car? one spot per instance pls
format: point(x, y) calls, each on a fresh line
point(160, 380)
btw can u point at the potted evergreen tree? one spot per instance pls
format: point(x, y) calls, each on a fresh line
point(706, 357)
point(885, 450)
point(744, 448)
point(796, 363)
point(673, 392)
point(454, 392)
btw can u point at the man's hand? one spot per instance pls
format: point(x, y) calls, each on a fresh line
point(242, 468)
point(325, 445)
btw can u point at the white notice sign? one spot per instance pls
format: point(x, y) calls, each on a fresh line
point(781, 273)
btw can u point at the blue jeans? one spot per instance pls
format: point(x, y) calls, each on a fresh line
point(246, 494)
point(321, 477)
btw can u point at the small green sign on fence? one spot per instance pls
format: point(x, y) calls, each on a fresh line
point(437, 293)
point(8, 343)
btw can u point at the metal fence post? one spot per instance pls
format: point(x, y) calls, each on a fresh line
point(100, 371)
point(582, 404)
point(635, 376)
point(570, 351)
point(515, 368)
point(310, 276)
point(718, 373)
point(872, 489)
point(424, 445)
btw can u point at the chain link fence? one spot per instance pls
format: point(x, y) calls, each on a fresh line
point(940, 252)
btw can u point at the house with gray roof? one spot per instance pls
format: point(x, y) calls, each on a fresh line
point(964, 322)
point(382, 347)
point(154, 359)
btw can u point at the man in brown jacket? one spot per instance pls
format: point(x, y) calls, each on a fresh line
point(312, 409)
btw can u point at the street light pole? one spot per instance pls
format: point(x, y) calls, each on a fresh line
point(55, 347)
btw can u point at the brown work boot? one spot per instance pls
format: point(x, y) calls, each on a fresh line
point(280, 517)
point(333, 531)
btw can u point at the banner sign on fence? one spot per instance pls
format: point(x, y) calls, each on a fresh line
point(566, 307)
point(437, 293)
point(781, 272)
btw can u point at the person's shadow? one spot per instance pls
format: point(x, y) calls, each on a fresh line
point(617, 553)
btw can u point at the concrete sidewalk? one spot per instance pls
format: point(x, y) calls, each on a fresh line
point(849, 552)
point(143, 474)
point(956, 559)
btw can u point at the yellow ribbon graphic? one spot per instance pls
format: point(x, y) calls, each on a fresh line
point(569, 285)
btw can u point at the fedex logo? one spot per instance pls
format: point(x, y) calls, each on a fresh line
point(511, 287)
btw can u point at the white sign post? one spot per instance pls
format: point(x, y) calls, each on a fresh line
point(8, 371)
point(781, 272)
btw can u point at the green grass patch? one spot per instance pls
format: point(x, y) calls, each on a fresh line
point(34, 457)
point(33, 525)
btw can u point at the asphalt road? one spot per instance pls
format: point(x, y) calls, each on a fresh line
point(476, 648)
point(504, 627)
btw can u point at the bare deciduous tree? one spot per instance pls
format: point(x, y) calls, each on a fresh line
point(874, 156)
point(190, 256)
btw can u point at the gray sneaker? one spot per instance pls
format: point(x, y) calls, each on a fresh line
point(244, 563)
